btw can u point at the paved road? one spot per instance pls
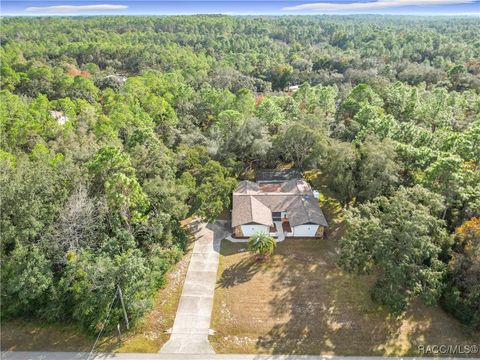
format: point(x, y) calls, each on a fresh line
point(138, 356)
point(192, 322)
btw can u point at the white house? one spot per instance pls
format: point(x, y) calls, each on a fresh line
point(293, 88)
point(281, 209)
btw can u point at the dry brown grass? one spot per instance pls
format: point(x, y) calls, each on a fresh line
point(300, 302)
point(33, 335)
point(147, 336)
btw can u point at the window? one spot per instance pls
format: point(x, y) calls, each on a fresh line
point(277, 216)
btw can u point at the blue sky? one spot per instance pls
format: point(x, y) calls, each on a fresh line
point(249, 7)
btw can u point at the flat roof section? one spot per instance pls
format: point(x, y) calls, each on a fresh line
point(272, 175)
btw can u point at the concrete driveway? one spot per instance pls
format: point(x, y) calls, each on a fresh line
point(192, 322)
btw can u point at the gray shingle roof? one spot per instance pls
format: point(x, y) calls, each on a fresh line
point(295, 197)
point(247, 209)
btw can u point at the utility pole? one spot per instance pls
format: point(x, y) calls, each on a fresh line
point(119, 338)
point(123, 306)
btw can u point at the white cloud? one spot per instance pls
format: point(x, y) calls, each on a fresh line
point(75, 8)
point(378, 4)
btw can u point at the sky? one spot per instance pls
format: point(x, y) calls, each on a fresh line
point(237, 7)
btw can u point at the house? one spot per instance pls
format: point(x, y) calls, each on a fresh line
point(293, 88)
point(280, 207)
point(118, 78)
point(59, 116)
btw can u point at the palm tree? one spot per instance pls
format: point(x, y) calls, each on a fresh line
point(262, 244)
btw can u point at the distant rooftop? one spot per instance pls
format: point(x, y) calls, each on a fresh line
point(59, 116)
point(277, 176)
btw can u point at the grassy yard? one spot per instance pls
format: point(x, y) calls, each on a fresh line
point(147, 336)
point(300, 302)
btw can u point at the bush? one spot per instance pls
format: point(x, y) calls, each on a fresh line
point(161, 260)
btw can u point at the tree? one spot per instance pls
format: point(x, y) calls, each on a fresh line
point(33, 192)
point(433, 110)
point(26, 279)
point(468, 144)
point(213, 191)
point(401, 101)
point(403, 238)
point(338, 168)
point(91, 282)
point(228, 121)
point(462, 294)
point(378, 170)
point(371, 120)
point(261, 244)
point(271, 113)
point(250, 143)
point(245, 102)
point(318, 99)
point(281, 76)
point(8, 78)
point(445, 178)
point(149, 156)
point(77, 226)
point(113, 174)
point(457, 75)
point(360, 95)
point(299, 144)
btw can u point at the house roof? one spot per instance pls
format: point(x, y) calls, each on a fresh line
point(248, 209)
point(247, 187)
point(254, 202)
point(277, 175)
point(300, 208)
point(296, 186)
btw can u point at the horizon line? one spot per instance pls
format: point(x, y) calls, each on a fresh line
point(247, 14)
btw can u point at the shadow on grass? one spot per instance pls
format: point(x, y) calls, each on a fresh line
point(320, 312)
point(239, 273)
point(323, 309)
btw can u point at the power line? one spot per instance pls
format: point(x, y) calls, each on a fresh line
point(123, 306)
point(103, 325)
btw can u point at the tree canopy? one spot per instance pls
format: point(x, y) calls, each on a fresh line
point(114, 129)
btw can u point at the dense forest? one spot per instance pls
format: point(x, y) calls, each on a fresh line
point(114, 129)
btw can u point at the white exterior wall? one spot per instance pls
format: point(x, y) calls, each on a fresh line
point(304, 230)
point(250, 229)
